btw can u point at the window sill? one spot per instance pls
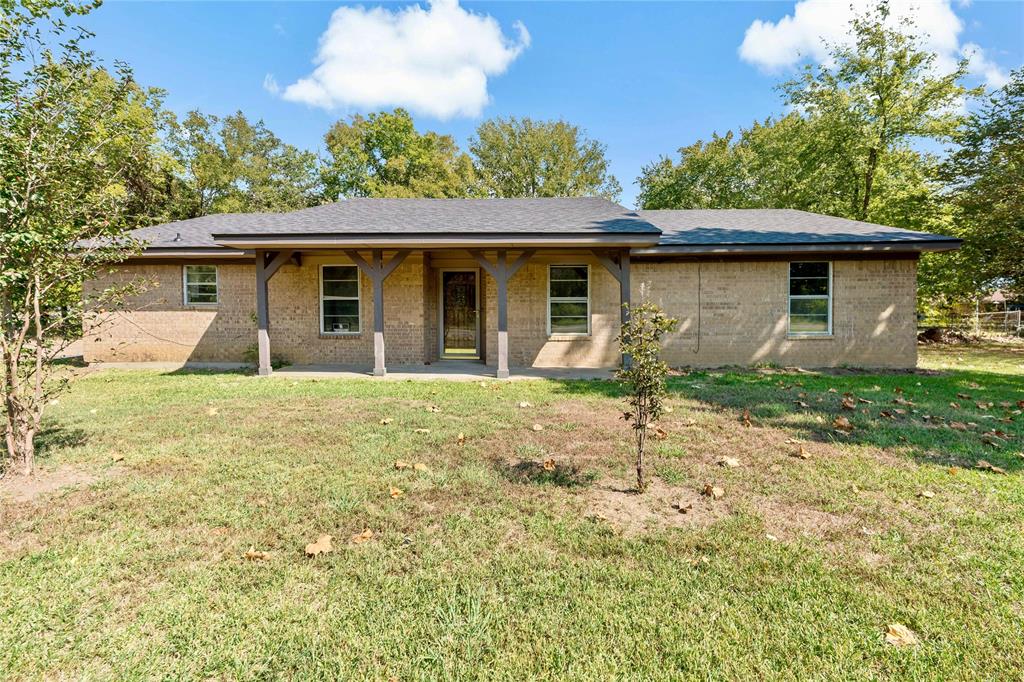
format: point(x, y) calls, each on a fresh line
point(809, 336)
point(340, 335)
point(567, 337)
point(200, 306)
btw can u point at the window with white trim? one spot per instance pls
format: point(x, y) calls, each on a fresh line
point(810, 298)
point(569, 299)
point(200, 284)
point(339, 299)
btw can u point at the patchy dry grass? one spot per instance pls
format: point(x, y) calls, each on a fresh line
point(520, 553)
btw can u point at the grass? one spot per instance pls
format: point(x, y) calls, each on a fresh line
point(492, 564)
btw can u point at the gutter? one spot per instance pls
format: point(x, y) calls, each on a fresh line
point(932, 245)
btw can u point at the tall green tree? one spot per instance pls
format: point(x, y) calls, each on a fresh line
point(846, 149)
point(67, 136)
point(986, 177)
point(877, 96)
point(231, 165)
point(383, 155)
point(520, 157)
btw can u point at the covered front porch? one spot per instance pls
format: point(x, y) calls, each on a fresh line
point(443, 311)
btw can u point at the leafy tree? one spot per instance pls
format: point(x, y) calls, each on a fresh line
point(520, 157)
point(845, 149)
point(232, 165)
point(383, 155)
point(62, 200)
point(986, 176)
point(877, 96)
point(644, 373)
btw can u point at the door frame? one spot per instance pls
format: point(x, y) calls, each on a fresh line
point(440, 314)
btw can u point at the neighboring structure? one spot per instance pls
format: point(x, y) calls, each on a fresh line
point(516, 282)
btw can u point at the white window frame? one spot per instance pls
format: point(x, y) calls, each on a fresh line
point(790, 298)
point(561, 299)
point(358, 299)
point(184, 285)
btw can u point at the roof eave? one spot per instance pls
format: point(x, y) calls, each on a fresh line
point(435, 241)
point(200, 252)
point(818, 248)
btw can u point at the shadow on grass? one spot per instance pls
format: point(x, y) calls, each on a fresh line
point(561, 475)
point(941, 418)
point(54, 438)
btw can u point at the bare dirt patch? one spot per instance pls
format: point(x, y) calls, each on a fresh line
point(20, 489)
point(661, 506)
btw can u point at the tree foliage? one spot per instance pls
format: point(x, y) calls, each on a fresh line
point(231, 165)
point(520, 157)
point(68, 143)
point(383, 155)
point(986, 178)
point(643, 373)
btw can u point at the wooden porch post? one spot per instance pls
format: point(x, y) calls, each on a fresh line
point(267, 263)
point(378, 271)
point(620, 271)
point(502, 272)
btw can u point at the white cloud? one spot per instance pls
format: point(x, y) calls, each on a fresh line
point(978, 63)
point(433, 60)
point(777, 45)
point(270, 84)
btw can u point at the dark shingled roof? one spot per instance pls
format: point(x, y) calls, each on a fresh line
point(783, 226)
point(555, 216)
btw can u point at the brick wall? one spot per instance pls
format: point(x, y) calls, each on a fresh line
point(742, 320)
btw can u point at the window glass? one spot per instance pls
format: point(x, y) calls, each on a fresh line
point(339, 299)
point(810, 298)
point(200, 284)
point(569, 299)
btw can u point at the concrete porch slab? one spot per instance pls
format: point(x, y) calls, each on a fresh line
point(446, 370)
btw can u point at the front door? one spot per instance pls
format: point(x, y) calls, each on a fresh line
point(459, 304)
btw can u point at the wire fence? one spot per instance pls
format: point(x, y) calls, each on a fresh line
point(1003, 323)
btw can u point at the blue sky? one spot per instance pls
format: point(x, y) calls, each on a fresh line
point(644, 78)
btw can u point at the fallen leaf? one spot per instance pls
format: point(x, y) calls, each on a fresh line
point(985, 466)
point(955, 406)
point(385, 421)
point(117, 458)
point(900, 635)
point(402, 464)
point(421, 431)
point(800, 403)
point(461, 440)
point(746, 418)
point(212, 412)
point(360, 538)
point(887, 414)
point(730, 462)
point(963, 396)
point(660, 433)
point(394, 492)
point(537, 427)
point(849, 404)
point(433, 408)
point(254, 554)
point(958, 426)
point(843, 424)
point(927, 494)
point(683, 507)
point(800, 453)
point(769, 536)
point(321, 546)
point(420, 466)
point(549, 465)
point(524, 404)
point(713, 491)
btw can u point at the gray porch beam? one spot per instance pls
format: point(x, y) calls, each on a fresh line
point(502, 271)
point(619, 269)
point(378, 271)
point(267, 263)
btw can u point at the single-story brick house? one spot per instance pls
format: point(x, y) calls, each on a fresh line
point(517, 282)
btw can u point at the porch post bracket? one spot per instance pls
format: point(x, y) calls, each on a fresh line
point(267, 264)
point(610, 265)
point(377, 270)
point(501, 270)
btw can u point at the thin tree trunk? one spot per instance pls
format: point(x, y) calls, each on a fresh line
point(869, 179)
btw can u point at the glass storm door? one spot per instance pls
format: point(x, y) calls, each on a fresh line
point(459, 315)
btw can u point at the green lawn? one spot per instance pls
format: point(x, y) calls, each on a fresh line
point(491, 565)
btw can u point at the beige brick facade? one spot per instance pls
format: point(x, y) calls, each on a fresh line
point(741, 318)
